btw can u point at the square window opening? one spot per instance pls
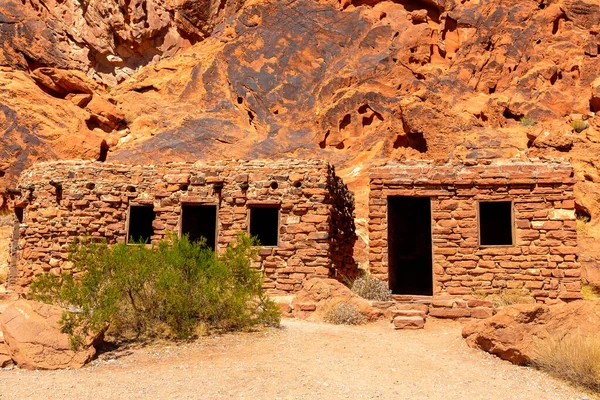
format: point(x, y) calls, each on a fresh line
point(200, 221)
point(495, 223)
point(264, 224)
point(140, 224)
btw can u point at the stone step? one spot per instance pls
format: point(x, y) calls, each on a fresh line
point(410, 298)
point(408, 313)
point(409, 322)
point(398, 307)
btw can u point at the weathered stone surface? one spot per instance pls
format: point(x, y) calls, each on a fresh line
point(409, 322)
point(543, 206)
point(5, 358)
point(32, 333)
point(320, 295)
point(512, 333)
point(352, 82)
point(109, 40)
point(95, 198)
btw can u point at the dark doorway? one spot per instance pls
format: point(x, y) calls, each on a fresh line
point(19, 214)
point(264, 224)
point(200, 222)
point(495, 223)
point(140, 224)
point(409, 245)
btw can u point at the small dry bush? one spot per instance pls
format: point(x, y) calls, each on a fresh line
point(590, 292)
point(3, 274)
point(508, 297)
point(574, 357)
point(345, 314)
point(583, 226)
point(371, 288)
point(6, 218)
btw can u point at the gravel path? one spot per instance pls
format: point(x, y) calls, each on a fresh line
point(300, 361)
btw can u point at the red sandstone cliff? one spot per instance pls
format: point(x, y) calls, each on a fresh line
point(354, 82)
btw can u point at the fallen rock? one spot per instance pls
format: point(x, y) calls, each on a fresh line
point(5, 358)
point(320, 295)
point(32, 334)
point(104, 112)
point(64, 82)
point(559, 141)
point(513, 333)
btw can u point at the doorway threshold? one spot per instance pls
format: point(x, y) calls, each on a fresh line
point(412, 298)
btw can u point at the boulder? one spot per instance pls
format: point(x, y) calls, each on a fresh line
point(104, 112)
point(5, 358)
point(34, 340)
point(513, 333)
point(319, 295)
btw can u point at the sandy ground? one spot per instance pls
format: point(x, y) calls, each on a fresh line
point(300, 361)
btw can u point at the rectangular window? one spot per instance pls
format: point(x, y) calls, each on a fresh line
point(199, 221)
point(264, 224)
point(140, 224)
point(495, 223)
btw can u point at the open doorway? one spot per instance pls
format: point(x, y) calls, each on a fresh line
point(409, 245)
point(200, 221)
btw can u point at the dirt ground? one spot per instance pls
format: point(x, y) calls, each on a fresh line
point(300, 361)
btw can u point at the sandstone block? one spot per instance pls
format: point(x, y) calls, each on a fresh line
point(451, 313)
point(32, 332)
point(409, 322)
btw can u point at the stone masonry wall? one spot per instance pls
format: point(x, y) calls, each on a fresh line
point(543, 259)
point(67, 199)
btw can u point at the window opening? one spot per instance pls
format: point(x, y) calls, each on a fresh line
point(140, 224)
point(264, 224)
point(495, 223)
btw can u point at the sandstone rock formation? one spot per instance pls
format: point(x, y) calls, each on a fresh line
point(318, 296)
point(352, 81)
point(513, 333)
point(32, 334)
point(5, 358)
point(108, 40)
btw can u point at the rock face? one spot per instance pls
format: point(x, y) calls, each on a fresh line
point(32, 334)
point(354, 82)
point(108, 39)
point(513, 332)
point(319, 295)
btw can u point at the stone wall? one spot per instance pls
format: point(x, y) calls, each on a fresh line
point(69, 199)
point(543, 257)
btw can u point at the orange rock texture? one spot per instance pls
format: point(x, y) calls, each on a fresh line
point(354, 82)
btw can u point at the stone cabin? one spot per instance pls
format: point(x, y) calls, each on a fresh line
point(300, 210)
point(444, 234)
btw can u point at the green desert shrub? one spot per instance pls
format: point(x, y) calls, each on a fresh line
point(371, 288)
point(579, 126)
point(574, 357)
point(172, 290)
point(526, 121)
point(344, 314)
